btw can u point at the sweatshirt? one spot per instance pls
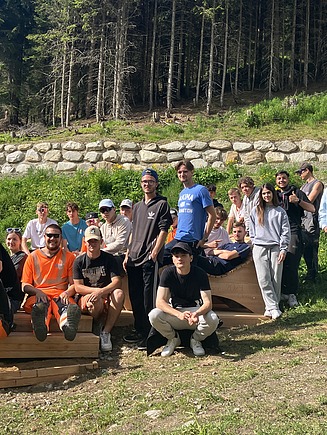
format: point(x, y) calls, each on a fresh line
point(148, 221)
point(274, 231)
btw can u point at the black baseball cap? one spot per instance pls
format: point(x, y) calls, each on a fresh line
point(182, 246)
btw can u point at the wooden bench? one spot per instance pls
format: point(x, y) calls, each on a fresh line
point(237, 296)
point(23, 344)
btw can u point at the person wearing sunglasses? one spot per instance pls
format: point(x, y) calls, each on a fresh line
point(48, 281)
point(115, 231)
point(17, 255)
point(35, 228)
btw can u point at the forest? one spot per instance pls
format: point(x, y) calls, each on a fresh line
point(63, 60)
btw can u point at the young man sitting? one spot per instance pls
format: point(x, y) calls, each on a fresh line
point(228, 256)
point(188, 289)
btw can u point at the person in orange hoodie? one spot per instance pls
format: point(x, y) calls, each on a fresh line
point(172, 230)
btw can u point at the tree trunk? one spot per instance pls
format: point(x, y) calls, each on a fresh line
point(153, 52)
point(171, 59)
point(69, 89)
point(211, 61)
point(98, 106)
point(180, 58)
point(292, 57)
point(306, 46)
point(90, 73)
point(198, 83)
point(238, 47)
point(63, 85)
point(271, 56)
point(223, 83)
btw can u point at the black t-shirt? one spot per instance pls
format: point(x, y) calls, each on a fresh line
point(294, 211)
point(8, 276)
point(185, 289)
point(95, 272)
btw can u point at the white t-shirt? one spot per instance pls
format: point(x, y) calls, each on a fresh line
point(235, 213)
point(217, 234)
point(35, 231)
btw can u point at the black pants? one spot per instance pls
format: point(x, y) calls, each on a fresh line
point(310, 252)
point(5, 306)
point(290, 277)
point(142, 285)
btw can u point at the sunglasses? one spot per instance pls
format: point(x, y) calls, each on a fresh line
point(51, 235)
point(42, 209)
point(105, 209)
point(15, 230)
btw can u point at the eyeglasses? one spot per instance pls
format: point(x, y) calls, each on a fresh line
point(91, 221)
point(52, 235)
point(15, 230)
point(105, 209)
point(42, 209)
point(147, 181)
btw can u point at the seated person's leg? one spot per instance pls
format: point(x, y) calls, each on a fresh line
point(95, 309)
point(5, 307)
point(67, 316)
point(115, 305)
point(206, 326)
point(167, 324)
point(41, 316)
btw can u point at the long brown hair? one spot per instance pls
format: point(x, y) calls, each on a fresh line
point(262, 204)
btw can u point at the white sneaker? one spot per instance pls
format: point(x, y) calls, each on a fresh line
point(292, 301)
point(275, 314)
point(105, 341)
point(267, 313)
point(196, 346)
point(171, 346)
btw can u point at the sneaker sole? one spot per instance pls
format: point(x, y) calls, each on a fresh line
point(73, 318)
point(38, 322)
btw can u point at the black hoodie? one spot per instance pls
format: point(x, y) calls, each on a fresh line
point(148, 220)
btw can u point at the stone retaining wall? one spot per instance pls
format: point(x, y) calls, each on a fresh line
point(71, 156)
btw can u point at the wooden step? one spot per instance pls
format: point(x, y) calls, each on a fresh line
point(25, 345)
point(19, 378)
point(233, 319)
point(23, 323)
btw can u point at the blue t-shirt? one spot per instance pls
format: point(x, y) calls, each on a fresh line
point(192, 215)
point(74, 234)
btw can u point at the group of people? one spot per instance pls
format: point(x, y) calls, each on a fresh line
point(78, 268)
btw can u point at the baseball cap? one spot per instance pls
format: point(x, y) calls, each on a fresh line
point(106, 203)
point(182, 246)
point(91, 215)
point(151, 172)
point(304, 166)
point(126, 203)
point(92, 232)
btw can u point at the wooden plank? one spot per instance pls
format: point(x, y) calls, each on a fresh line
point(234, 319)
point(126, 318)
point(23, 323)
point(45, 375)
point(25, 345)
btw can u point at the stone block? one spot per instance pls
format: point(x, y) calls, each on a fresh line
point(196, 145)
point(242, 146)
point(199, 163)
point(128, 157)
point(93, 156)
point(73, 146)
point(231, 157)
point(10, 148)
point(42, 147)
point(286, 146)
point(109, 144)
point(24, 146)
point(23, 168)
point(212, 156)
point(275, 157)
point(311, 145)
point(53, 156)
point(84, 166)
point(152, 157)
point(110, 156)
point(175, 156)
point(150, 147)
point(15, 157)
point(302, 157)
point(322, 158)
point(130, 146)
point(104, 165)
point(189, 155)
point(264, 145)
point(7, 169)
point(218, 165)
point(172, 146)
point(72, 156)
point(220, 145)
point(32, 156)
point(95, 146)
point(2, 158)
point(56, 146)
point(66, 167)
point(252, 157)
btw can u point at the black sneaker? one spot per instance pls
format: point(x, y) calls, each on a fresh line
point(39, 312)
point(73, 317)
point(133, 338)
point(141, 345)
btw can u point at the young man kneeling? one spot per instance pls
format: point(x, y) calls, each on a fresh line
point(188, 288)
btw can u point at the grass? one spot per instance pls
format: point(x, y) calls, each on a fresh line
point(273, 119)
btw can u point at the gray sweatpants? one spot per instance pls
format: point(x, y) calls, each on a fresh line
point(167, 324)
point(269, 274)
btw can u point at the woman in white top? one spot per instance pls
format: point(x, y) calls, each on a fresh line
point(270, 234)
